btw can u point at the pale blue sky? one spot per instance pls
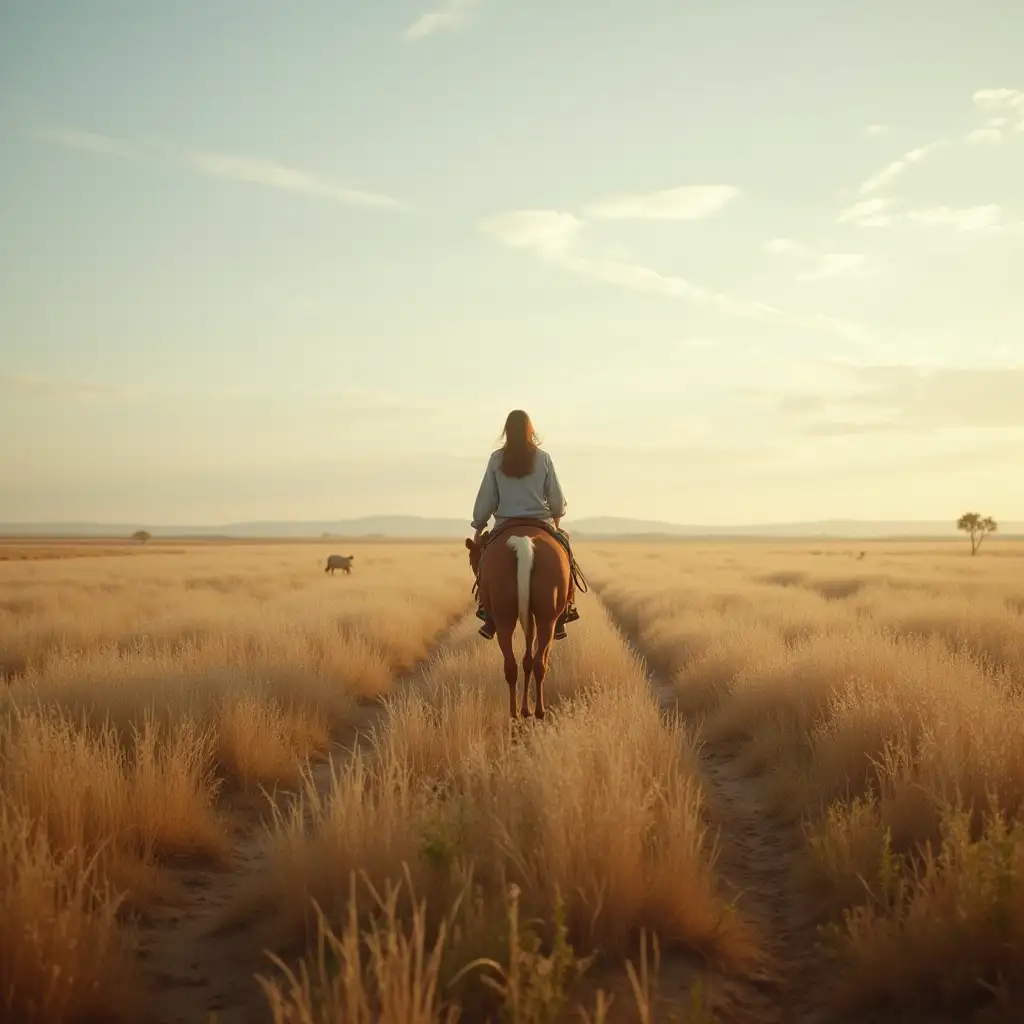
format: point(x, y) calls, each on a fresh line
point(740, 262)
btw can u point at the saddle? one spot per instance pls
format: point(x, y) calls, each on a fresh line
point(486, 539)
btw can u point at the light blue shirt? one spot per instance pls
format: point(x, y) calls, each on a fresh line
point(538, 495)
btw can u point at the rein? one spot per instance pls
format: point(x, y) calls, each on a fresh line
point(577, 575)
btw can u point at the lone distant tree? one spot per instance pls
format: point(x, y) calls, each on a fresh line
point(977, 528)
point(142, 536)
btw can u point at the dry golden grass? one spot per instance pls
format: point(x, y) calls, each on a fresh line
point(269, 611)
point(453, 864)
point(140, 689)
point(885, 698)
point(17, 552)
point(595, 816)
point(390, 973)
point(227, 638)
point(135, 690)
point(61, 955)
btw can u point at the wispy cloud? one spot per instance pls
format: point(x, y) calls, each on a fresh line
point(640, 278)
point(1002, 109)
point(687, 202)
point(817, 267)
point(893, 170)
point(785, 247)
point(551, 235)
point(880, 213)
point(985, 136)
point(1007, 104)
point(221, 165)
point(450, 14)
point(274, 175)
point(341, 400)
point(974, 218)
point(89, 142)
point(835, 264)
point(911, 399)
point(873, 131)
point(64, 389)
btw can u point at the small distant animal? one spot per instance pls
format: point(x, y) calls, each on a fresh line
point(343, 562)
point(861, 555)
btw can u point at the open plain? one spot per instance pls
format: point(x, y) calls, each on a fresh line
point(780, 782)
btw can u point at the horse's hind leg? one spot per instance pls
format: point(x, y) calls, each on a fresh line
point(528, 665)
point(545, 636)
point(511, 666)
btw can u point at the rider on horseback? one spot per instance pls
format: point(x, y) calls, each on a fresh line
point(520, 483)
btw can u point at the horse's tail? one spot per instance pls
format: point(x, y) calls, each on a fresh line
point(523, 547)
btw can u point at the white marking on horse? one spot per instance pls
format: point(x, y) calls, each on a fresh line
point(523, 547)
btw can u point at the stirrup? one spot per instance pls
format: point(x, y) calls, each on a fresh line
point(560, 633)
point(571, 615)
point(487, 630)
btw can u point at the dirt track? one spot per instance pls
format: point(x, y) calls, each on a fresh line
point(195, 964)
point(197, 968)
point(758, 855)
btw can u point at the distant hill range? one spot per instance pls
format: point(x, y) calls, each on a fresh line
point(411, 527)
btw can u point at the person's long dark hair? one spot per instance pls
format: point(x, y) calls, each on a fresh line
point(521, 442)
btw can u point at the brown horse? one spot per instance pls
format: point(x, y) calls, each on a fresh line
point(524, 577)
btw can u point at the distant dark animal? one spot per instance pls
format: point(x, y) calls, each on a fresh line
point(861, 555)
point(343, 562)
